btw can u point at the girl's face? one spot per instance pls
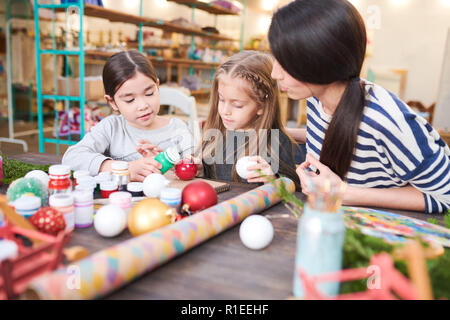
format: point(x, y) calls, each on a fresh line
point(236, 109)
point(137, 100)
point(295, 89)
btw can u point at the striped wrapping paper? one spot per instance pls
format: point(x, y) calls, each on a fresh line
point(114, 267)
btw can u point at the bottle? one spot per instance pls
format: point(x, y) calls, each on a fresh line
point(27, 206)
point(120, 174)
point(122, 199)
point(64, 204)
point(101, 177)
point(78, 174)
point(168, 159)
point(84, 208)
point(86, 183)
point(108, 187)
point(136, 189)
point(320, 240)
point(171, 197)
point(59, 179)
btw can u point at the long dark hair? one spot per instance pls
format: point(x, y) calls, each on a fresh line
point(322, 42)
point(122, 66)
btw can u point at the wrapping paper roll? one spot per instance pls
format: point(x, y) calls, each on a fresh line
point(110, 269)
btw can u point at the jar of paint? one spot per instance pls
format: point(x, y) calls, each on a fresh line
point(120, 174)
point(168, 159)
point(101, 177)
point(27, 206)
point(59, 180)
point(136, 189)
point(64, 204)
point(122, 199)
point(84, 208)
point(86, 183)
point(78, 174)
point(171, 197)
point(107, 188)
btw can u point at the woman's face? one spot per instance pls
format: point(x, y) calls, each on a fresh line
point(295, 89)
point(137, 100)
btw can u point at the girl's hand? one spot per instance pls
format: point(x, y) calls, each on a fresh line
point(141, 168)
point(198, 162)
point(265, 173)
point(310, 179)
point(147, 149)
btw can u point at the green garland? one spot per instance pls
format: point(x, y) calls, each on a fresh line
point(14, 169)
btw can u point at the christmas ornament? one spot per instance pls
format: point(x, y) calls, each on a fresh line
point(186, 170)
point(256, 232)
point(27, 187)
point(48, 220)
point(196, 196)
point(40, 175)
point(241, 166)
point(153, 185)
point(148, 215)
point(110, 220)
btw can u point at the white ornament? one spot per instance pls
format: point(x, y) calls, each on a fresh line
point(40, 175)
point(110, 220)
point(256, 232)
point(8, 250)
point(153, 185)
point(241, 166)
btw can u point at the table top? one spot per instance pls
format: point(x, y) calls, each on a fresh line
point(220, 268)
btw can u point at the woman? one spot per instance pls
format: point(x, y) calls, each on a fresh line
point(356, 131)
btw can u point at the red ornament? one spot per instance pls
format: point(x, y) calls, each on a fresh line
point(186, 170)
point(198, 195)
point(48, 220)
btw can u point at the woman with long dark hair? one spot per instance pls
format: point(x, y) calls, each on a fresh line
point(357, 131)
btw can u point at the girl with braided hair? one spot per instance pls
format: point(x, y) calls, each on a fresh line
point(244, 120)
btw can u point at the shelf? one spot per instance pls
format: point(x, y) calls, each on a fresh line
point(177, 61)
point(208, 7)
point(117, 16)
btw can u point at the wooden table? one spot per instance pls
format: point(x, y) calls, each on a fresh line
point(221, 268)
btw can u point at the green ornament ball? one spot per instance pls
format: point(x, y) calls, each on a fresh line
point(27, 186)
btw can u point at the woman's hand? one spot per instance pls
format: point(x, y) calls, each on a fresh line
point(147, 149)
point(261, 172)
point(140, 169)
point(200, 172)
point(310, 179)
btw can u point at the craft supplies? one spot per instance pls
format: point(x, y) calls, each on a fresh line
point(108, 187)
point(149, 215)
point(256, 232)
point(101, 177)
point(27, 187)
point(153, 185)
point(110, 221)
point(8, 250)
point(186, 170)
point(40, 175)
point(168, 159)
point(241, 166)
point(120, 174)
point(171, 197)
point(198, 195)
point(123, 200)
point(153, 249)
point(64, 204)
point(48, 220)
point(59, 180)
point(136, 189)
point(84, 208)
point(27, 206)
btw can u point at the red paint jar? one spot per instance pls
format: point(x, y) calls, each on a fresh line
point(108, 187)
point(59, 180)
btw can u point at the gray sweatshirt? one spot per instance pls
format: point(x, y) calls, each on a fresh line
point(114, 139)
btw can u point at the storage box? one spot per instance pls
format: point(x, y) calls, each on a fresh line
point(93, 88)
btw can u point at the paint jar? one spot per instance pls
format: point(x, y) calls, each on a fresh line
point(122, 199)
point(64, 204)
point(59, 180)
point(84, 208)
point(168, 159)
point(86, 183)
point(27, 206)
point(101, 177)
point(108, 187)
point(120, 174)
point(136, 189)
point(78, 174)
point(171, 197)
point(320, 240)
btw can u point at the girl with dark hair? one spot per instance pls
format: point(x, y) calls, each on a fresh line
point(357, 131)
point(131, 88)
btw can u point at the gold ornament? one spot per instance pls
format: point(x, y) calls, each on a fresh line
point(148, 215)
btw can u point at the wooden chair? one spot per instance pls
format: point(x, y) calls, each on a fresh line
point(427, 113)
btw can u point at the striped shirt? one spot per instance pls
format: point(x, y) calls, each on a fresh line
point(395, 147)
